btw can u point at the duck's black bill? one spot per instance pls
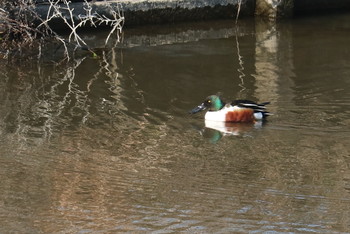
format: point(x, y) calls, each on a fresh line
point(197, 109)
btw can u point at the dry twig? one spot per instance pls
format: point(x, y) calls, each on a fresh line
point(21, 32)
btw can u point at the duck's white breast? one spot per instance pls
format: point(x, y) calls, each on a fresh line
point(220, 115)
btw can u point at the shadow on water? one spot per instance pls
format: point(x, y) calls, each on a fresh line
point(106, 144)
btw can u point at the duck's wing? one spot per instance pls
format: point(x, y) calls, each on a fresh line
point(252, 105)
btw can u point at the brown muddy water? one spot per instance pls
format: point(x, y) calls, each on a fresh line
point(106, 145)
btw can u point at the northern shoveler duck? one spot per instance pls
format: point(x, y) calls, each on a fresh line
point(243, 111)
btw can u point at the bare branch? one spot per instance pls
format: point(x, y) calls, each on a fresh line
point(20, 28)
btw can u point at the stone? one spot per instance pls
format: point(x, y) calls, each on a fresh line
point(274, 9)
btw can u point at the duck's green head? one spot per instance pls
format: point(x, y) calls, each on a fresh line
point(212, 103)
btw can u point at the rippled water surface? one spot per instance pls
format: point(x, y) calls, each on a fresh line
point(106, 144)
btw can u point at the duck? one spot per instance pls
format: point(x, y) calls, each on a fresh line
point(237, 111)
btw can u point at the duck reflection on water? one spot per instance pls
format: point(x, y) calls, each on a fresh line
point(215, 130)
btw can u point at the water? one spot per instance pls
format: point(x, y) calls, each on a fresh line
point(106, 145)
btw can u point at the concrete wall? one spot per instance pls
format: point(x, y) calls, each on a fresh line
point(158, 11)
point(321, 6)
point(275, 9)
point(139, 12)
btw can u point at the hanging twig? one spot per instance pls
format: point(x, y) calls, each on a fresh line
point(238, 10)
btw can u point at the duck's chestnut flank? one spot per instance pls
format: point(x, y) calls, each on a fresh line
point(244, 116)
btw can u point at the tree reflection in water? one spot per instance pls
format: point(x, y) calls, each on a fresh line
point(39, 103)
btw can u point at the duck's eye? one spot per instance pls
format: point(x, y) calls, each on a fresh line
point(209, 101)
